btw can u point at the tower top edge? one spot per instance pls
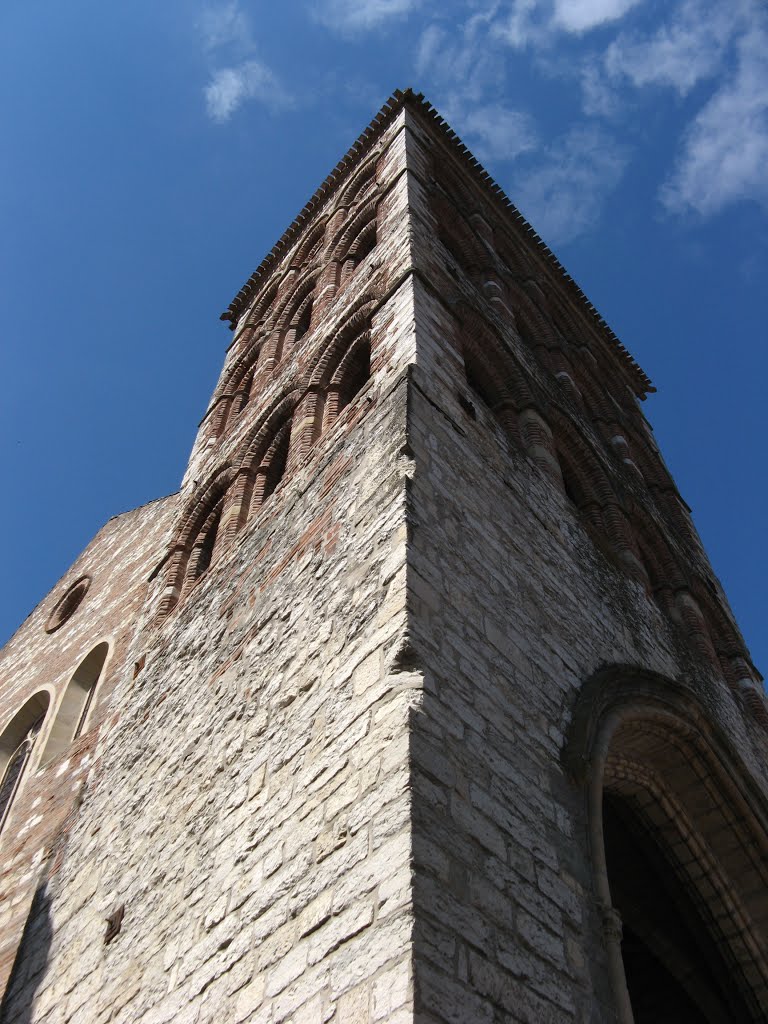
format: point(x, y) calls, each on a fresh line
point(370, 134)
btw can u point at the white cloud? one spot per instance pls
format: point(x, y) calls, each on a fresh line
point(563, 197)
point(230, 87)
point(496, 132)
point(226, 34)
point(681, 53)
point(350, 16)
point(462, 56)
point(524, 24)
point(584, 15)
point(725, 153)
point(538, 22)
point(225, 25)
point(599, 96)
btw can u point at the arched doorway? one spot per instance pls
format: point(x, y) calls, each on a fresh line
point(675, 972)
point(679, 846)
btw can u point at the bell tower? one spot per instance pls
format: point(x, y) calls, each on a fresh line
point(422, 701)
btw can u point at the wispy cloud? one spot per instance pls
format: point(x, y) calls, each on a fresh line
point(687, 49)
point(225, 25)
point(463, 55)
point(537, 22)
point(584, 15)
point(563, 185)
point(352, 16)
point(564, 195)
point(238, 74)
point(725, 153)
point(523, 24)
point(250, 80)
point(495, 132)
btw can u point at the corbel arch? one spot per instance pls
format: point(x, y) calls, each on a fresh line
point(458, 237)
point(294, 318)
point(530, 323)
point(491, 371)
point(589, 487)
point(731, 652)
point(311, 246)
point(17, 742)
point(665, 575)
point(196, 540)
point(339, 373)
point(348, 232)
point(453, 185)
point(357, 320)
point(235, 391)
point(263, 306)
point(678, 843)
point(262, 462)
point(358, 184)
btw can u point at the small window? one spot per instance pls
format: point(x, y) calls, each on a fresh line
point(205, 549)
point(356, 375)
point(304, 322)
point(365, 246)
point(278, 460)
point(68, 604)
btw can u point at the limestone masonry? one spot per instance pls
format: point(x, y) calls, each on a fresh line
point(420, 700)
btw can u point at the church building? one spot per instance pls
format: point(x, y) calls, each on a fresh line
point(419, 702)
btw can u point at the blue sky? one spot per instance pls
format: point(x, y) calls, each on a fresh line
point(154, 152)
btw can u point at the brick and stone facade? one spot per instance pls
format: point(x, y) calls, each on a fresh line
point(421, 693)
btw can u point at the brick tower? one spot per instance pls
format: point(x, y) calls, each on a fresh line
point(420, 700)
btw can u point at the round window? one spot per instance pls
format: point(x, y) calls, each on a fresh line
point(68, 604)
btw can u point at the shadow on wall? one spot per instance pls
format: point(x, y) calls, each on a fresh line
point(31, 959)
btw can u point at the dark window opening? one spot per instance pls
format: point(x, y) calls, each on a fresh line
point(467, 406)
point(357, 375)
point(366, 247)
point(573, 491)
point(304, 322)
point(478, 386)
point(206, 548)
point(276, 469)
point(524, 331)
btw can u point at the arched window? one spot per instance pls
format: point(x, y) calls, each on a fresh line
point(205, 545)
point(341, 373)
point(294, 321)
point(303, 322)
point(196, 540)
point(357, 241)
point(76, 704)
point(359, 184)
point(16, 745)
point(353, 372)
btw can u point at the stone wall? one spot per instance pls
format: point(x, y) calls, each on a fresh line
point(34, 661)
point(514, 602)
point(248, 824)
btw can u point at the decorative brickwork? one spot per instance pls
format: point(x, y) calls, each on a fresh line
point(420, 700)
